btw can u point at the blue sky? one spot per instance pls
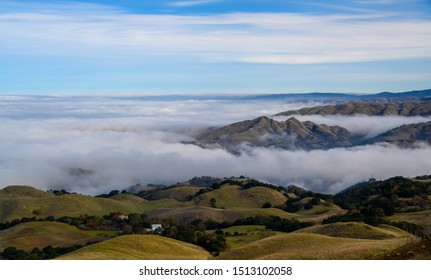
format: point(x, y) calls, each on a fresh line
point(214, 46)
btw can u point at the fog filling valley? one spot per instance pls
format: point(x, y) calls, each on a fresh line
point(92, 145)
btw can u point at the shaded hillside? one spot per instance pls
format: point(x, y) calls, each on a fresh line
point(139, 247)
point(407, 109)
point(27, 236)
point(406, 135)
point(265, 132)
point(180, 193)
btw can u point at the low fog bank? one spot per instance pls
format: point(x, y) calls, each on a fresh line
point(48, 155)
point(95, 147)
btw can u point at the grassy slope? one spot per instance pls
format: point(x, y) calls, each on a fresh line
point(246, 234)
point(41, 234)
point(232, 196)
point(421, 218)
point(319, 212)
point(356, 230)
point(14, 204)
point(311, 246)
point(139, 247)
point(188, 214)
point(179, 193)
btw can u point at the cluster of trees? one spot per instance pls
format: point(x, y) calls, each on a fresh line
point(302, 193)
point(134, 223)
point(242, 182)
point(396, 194)
point(15, 222)
point(125, 224)
point(195, 233)
point(254, 183)
point(112, 193)
point(60, 192)
point(275, 223)
point(293, 205)
point(204, 181)
point(47, 253)
point(270, 222)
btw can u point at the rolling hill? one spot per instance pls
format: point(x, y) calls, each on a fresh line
point(180, 193)
point(311, 246)
point(41, 234)
point(233, 196)
point(356, 230)
point(23, 201)
point(139, 247)
point(186, 215)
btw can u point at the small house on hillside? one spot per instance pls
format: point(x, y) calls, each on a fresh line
point(156, 228)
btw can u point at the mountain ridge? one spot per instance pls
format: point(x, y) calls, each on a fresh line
point(291, 134)
point(407, 109)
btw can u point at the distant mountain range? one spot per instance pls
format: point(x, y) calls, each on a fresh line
point(407, 109)
point(383, 97)
point(293, 134)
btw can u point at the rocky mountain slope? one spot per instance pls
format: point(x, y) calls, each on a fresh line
point(406, 135)
point(265, 132)
point(293, 134)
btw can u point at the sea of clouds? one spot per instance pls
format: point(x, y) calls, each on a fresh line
point(47, 142)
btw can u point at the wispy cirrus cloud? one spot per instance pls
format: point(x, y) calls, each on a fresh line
point(271, 38)
point(192, 3)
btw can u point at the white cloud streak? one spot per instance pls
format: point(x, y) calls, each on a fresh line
point(275, 38)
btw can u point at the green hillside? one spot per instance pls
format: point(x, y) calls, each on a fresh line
point(317, 213)
point(232, 196)
point(356, 230)
point(422, 218)
point(311, 246)
point(41, 234)
point(181, 193)
point(240, 235)
point(23, 191)
point(17, 202)
point(139, 247)
point(188, 214)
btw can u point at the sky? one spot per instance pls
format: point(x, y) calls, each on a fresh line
point(214, 46)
